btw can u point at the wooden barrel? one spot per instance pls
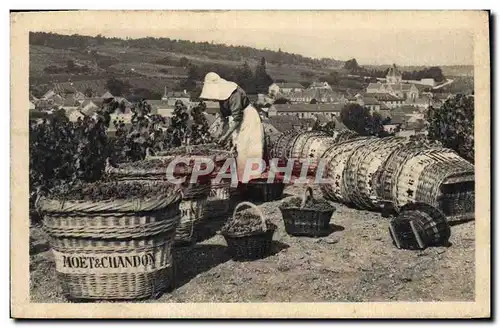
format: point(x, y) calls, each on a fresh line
point(336, 159)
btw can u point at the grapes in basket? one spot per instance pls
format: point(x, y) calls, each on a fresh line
point(245, 222)
point(99, 191)
point(310, 204)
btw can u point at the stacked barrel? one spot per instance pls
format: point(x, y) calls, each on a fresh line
point(366, 172)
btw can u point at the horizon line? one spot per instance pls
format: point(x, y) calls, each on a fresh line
point(256, 48)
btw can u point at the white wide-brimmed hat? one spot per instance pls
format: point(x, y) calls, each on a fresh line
point(216, 88)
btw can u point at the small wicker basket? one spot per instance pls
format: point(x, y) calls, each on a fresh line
point(419, 226)
point(260, 190)
point(300, 221)
point(252, 245)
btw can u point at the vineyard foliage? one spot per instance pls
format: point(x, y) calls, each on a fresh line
point(65, 153)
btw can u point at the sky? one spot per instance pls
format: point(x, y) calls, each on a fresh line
point(373, 38)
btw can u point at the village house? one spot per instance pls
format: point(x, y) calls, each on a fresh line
point(286, 88)
point(394, 85)
point(369, 102)
point(316, 95)
point(161, 107)
point(320, 86)
point(390, 101)
point(308, 110)
point(172, 96)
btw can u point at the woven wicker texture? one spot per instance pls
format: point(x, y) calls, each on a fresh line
point(315, 149)
point(192, 153)
point(352, 168)
point(220, 201)
point(336, 158)
point(253, 245)
point(82, 233)
point(300, 221)
point(283, 144)
point(420, 225)
point(259, 190)
point(365, 176)
point(192, 212)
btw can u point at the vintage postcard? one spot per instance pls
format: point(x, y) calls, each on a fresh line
point(250, 164)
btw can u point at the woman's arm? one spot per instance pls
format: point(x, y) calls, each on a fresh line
point(237, 106)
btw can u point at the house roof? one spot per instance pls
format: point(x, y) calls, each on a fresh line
point(290, 85)
point(374, 85)
point(405, 109)
point(385, 97)
point(70, 102)
point(107, 94)
point(284, 123)
point(370, 101)
point(308, 107)
point(339, 125)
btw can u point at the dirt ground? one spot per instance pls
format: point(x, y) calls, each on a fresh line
point(357, 262)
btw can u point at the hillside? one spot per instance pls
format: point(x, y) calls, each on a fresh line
point(154, 64)
point(153, 59)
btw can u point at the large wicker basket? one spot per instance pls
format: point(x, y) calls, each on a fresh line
point(336, 159)
point(419, 226)
point(194, 195)
point(300, 221)
point(250, 246)
point(113, 249)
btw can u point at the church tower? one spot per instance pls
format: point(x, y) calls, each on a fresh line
point(394, 76)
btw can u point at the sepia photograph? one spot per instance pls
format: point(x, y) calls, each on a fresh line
point(289, 158)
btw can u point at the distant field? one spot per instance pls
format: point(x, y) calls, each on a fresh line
point(461, 84)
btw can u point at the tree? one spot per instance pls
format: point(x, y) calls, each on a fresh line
point(117, 87)
point(313, 101)
point(183, 62)
point(306, 84)
point(351, 65)
point(246, 79)
point(328, 128)
point(88, 92)
point(358, 118)
point(453, 125)
point(262, 79)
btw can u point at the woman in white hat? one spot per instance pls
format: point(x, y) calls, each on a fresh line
point(241, 120)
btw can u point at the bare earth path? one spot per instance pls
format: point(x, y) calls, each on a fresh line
point(357, 262)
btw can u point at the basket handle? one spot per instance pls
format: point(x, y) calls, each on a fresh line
point(308, 193)
point(261, 215)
